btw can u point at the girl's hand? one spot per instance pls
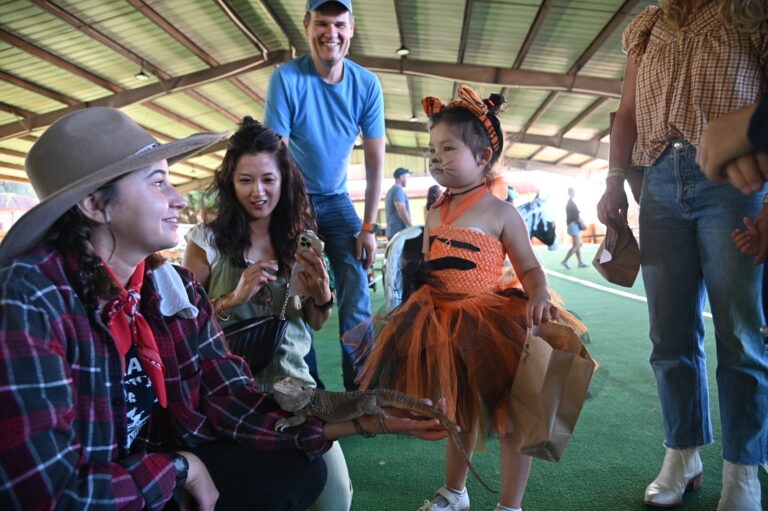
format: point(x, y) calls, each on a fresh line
point(314, 276)
point(753, 241)
point(253, 278)
point(540, 310)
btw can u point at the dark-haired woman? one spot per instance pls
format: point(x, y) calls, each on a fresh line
point(244, 258)
point(116, 389)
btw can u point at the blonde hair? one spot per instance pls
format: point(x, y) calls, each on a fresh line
point(746, 15)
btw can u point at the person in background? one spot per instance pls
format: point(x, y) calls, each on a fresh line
point(116, 386)
point(396, 204)
point(319, 103)
point(574, 222)
point(246, 256)
point(433, 193)
point(689, 63)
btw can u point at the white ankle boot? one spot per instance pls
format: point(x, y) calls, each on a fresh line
point(741, 488)
point(681, 472)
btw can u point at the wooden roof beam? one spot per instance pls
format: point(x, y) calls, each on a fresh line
point(62, 98)
point(232, 14)
point(616, 20)
point(538, 21)
point(39, 52)
point(588, 147)
point(276, 20)
point(15, 110)
point(37, 89)
point(465, 30)
point(190, 45)
point(146, 93)
point(11, 152)
point(587, 54)
point(539, 111)
point(494, 76)
point(57, 61)
point(583, 115)
point(118, 48)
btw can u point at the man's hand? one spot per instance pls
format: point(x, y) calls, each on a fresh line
point(366, 246)
point(725, 139)
point(748, 173)
point(754, 240)
point(199, 485)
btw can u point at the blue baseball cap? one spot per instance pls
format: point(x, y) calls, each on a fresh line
point(312, 5)
point(400, 171)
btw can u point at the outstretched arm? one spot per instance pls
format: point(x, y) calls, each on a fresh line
point(399, 422)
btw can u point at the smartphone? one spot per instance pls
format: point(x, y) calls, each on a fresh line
point(307, 241)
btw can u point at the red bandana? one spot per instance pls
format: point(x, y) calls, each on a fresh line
point(129, 328)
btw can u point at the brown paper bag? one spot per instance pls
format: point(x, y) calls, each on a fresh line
point(549, 390)
point(618, 258)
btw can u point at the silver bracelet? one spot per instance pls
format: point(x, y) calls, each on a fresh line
point(616, 172)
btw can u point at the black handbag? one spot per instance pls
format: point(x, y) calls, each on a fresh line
point(257, 339)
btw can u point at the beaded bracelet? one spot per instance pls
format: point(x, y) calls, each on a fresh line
point(361, 430)
point(616, 172)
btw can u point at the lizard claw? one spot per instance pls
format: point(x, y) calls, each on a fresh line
point(281, 425)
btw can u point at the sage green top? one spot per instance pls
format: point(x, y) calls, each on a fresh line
point(223, 279)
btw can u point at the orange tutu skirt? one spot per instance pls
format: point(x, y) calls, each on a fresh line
point(464, 348)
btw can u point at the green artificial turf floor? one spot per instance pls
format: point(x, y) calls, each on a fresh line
point(616, 449)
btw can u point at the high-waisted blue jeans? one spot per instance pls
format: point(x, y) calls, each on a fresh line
point(687, 254)
point(339, 225)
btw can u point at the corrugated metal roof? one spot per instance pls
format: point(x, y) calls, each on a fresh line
point(57, 53)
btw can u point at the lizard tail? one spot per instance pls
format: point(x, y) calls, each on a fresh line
point(452, 432)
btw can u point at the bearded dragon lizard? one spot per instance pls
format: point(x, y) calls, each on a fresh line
point(295, 396)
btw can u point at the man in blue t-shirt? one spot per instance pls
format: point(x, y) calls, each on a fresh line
point(319, 103)
point(397, 208)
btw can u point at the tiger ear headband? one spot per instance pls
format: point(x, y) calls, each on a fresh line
point(468, 99)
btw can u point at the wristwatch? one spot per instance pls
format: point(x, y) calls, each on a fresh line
point(182, 468)
point(323, 306)
point(372, 228)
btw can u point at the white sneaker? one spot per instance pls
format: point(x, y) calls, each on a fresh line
point(741, 488)
point(447, 500)
point(681, 472)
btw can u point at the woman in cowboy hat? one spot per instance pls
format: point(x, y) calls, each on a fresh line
point(116, 388)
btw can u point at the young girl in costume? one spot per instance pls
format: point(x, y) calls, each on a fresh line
point(460, 335)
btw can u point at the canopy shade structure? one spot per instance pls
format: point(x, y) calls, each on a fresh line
point(183, 66)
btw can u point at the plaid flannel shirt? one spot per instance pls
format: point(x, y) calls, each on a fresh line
point(687, 78)
point(62, 409)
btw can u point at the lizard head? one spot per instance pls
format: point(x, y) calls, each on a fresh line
point(291, 394)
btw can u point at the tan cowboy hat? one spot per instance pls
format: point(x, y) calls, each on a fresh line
point(76, 156)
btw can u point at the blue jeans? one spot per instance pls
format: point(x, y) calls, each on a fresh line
point(338, 224)
point(687, 254)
